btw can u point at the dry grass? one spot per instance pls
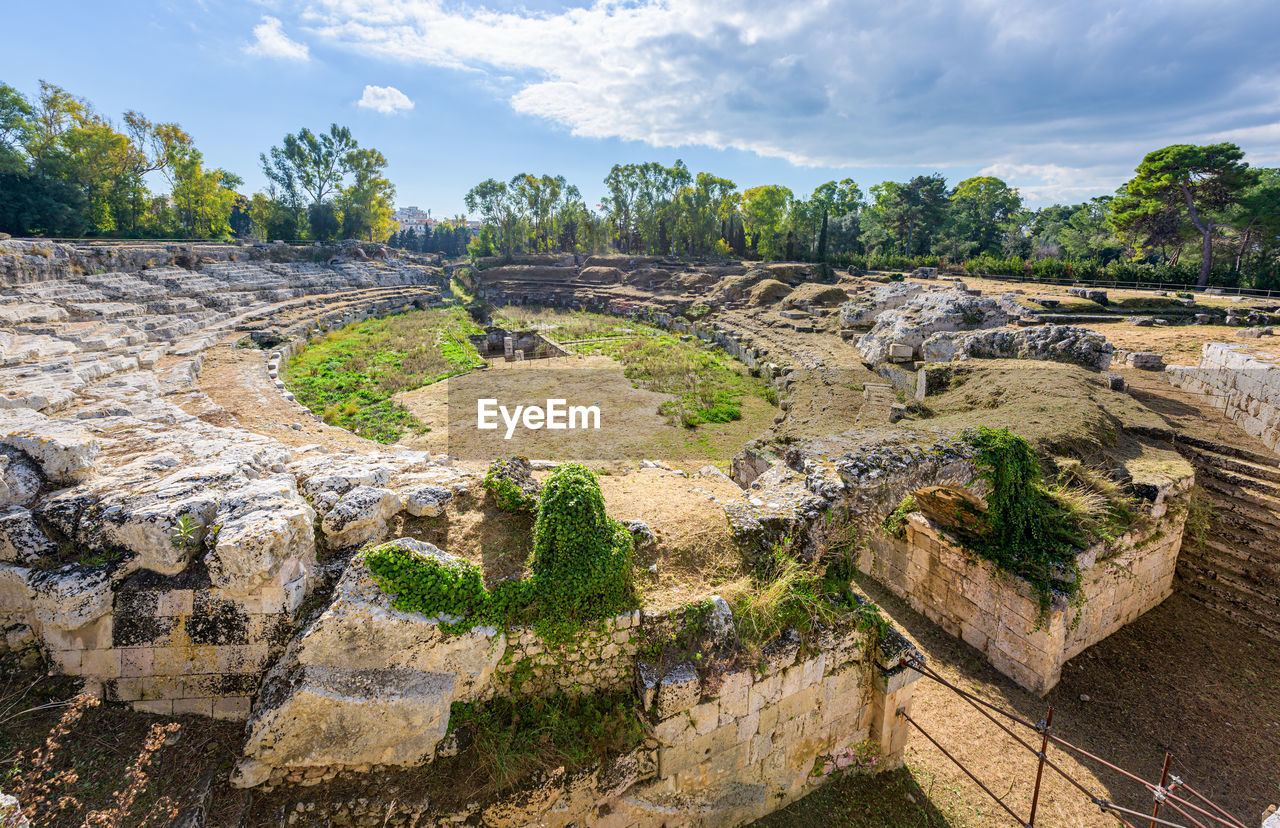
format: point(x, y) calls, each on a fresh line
point(1060, 409)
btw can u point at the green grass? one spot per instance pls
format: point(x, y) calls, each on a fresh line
point(508, 739)
point(708, 384)
point(566, 325)
point(350, 376)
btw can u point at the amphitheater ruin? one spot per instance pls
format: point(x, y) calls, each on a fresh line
point(182, 534)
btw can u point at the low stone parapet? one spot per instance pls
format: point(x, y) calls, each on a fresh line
point(1244, 384)
point(1000, 614)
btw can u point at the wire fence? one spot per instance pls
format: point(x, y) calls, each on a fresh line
point(1201, 813)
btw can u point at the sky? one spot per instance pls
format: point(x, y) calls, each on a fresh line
point(1060, 99)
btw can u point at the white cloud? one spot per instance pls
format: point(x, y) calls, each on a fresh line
point(385, 99)
point(271, 41)
point(1080, 89)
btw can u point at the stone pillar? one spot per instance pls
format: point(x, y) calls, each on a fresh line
point(893, 686)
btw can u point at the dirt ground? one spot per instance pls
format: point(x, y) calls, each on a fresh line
point(631, 429)
point(236, 379)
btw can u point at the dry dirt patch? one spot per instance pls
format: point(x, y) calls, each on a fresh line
point(631, 429)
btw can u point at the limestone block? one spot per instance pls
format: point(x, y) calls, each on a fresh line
point(71, 597)
point(360, 516)
point(263, 524)
point(361, 630)
point(705, 717)
point(734, 693)
point(21, 540)
point(63, 450)
point(336, 716)
point(427, 501)
point(679, 690)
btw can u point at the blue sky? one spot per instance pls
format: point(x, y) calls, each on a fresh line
point(1061, 99)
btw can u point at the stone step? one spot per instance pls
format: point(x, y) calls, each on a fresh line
point(1243, 482)
point(1254, 595)
point(1255, 505)
point(1245, 538)
point(1267, 460)
point(1214, 462)
point(1243, 615)
point(1223, 558)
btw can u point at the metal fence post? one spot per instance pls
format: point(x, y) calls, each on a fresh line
point(1044, 747)
point(1159, 792)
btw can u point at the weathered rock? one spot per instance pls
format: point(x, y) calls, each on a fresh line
point(361, 629)
point(71, 597)
point(641, 535)
point(20, 479)
point(720, 622)
point(64, 451)
point(339, 474)
point(1058, 343)
point(11, 815)
point(925, 314)
point(427, 501)
point(863, 311)
point(21, 540)
point(263, 524)
point(360, 516)
point(331, 716)
point(163, 524)
point(519, 472)
point(679, 690)
point(1146, 361)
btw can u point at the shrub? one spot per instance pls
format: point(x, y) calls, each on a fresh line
point(581, 567)
point(581, 557)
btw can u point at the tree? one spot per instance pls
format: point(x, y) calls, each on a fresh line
point(1258, 213)
point(1189, 182)
point(910, 212)
point(15, 123)
point(314, 164)
point(202, 198)
point(763, 209)
point(492, 199)
point(366, 204)
point(981, 208)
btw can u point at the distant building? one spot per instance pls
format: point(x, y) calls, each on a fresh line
point(412, 218)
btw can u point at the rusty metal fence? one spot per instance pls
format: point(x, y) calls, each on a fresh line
point(1168, 804)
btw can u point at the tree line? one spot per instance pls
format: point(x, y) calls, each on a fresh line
point(68, 171)
point(449, 237)
point(1190, 214)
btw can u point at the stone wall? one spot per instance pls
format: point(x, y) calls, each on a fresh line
point(1000, 614)
point(601, 658)
point(368, 686)
point(1244, 384)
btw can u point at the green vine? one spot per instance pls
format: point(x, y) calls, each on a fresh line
point(895, 523)
point(1024, 531)
point(581, 570)
point(581, 558)
point(502, 485)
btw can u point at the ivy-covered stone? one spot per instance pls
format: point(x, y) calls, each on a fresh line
point(510, 483)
